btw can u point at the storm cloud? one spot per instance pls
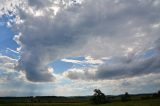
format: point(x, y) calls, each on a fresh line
point(99, 28)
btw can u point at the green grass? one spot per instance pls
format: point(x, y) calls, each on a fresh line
point(153, 102)
point(150, 102)
point(44, 104)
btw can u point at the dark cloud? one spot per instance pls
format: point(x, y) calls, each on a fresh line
point(39, 3)
point(129, 69)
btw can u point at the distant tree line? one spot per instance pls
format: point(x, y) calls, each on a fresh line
point(100, 98)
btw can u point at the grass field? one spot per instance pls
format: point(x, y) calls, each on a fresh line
point(148, 102)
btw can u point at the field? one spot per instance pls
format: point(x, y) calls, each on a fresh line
point(78, 101)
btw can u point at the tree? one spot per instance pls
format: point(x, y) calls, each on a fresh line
point(155, 95)
point(125, 97)
point(98, 97)
point(159, 92)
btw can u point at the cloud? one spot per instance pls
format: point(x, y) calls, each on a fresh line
point(7, 69)
point(83, 74)
point(133, 85)
point(7, 63)
point(8, 49)
point(87, 60)
point(40, 3)
point(144, 84)
point(129, 69)
point(91, 60)
point(102, 28)
point(118, 69)
point(71, 61)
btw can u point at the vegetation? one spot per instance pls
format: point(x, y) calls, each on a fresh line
point(98, 98)
point(126, 97)
point(150, 102)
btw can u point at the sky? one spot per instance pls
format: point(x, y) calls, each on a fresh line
point(71, 47)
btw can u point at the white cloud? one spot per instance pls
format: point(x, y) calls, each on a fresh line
point(87, 60)
point(91, 60)
point(72, 61)
point(7, 68)
point(12, 51)
point(7, 63)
